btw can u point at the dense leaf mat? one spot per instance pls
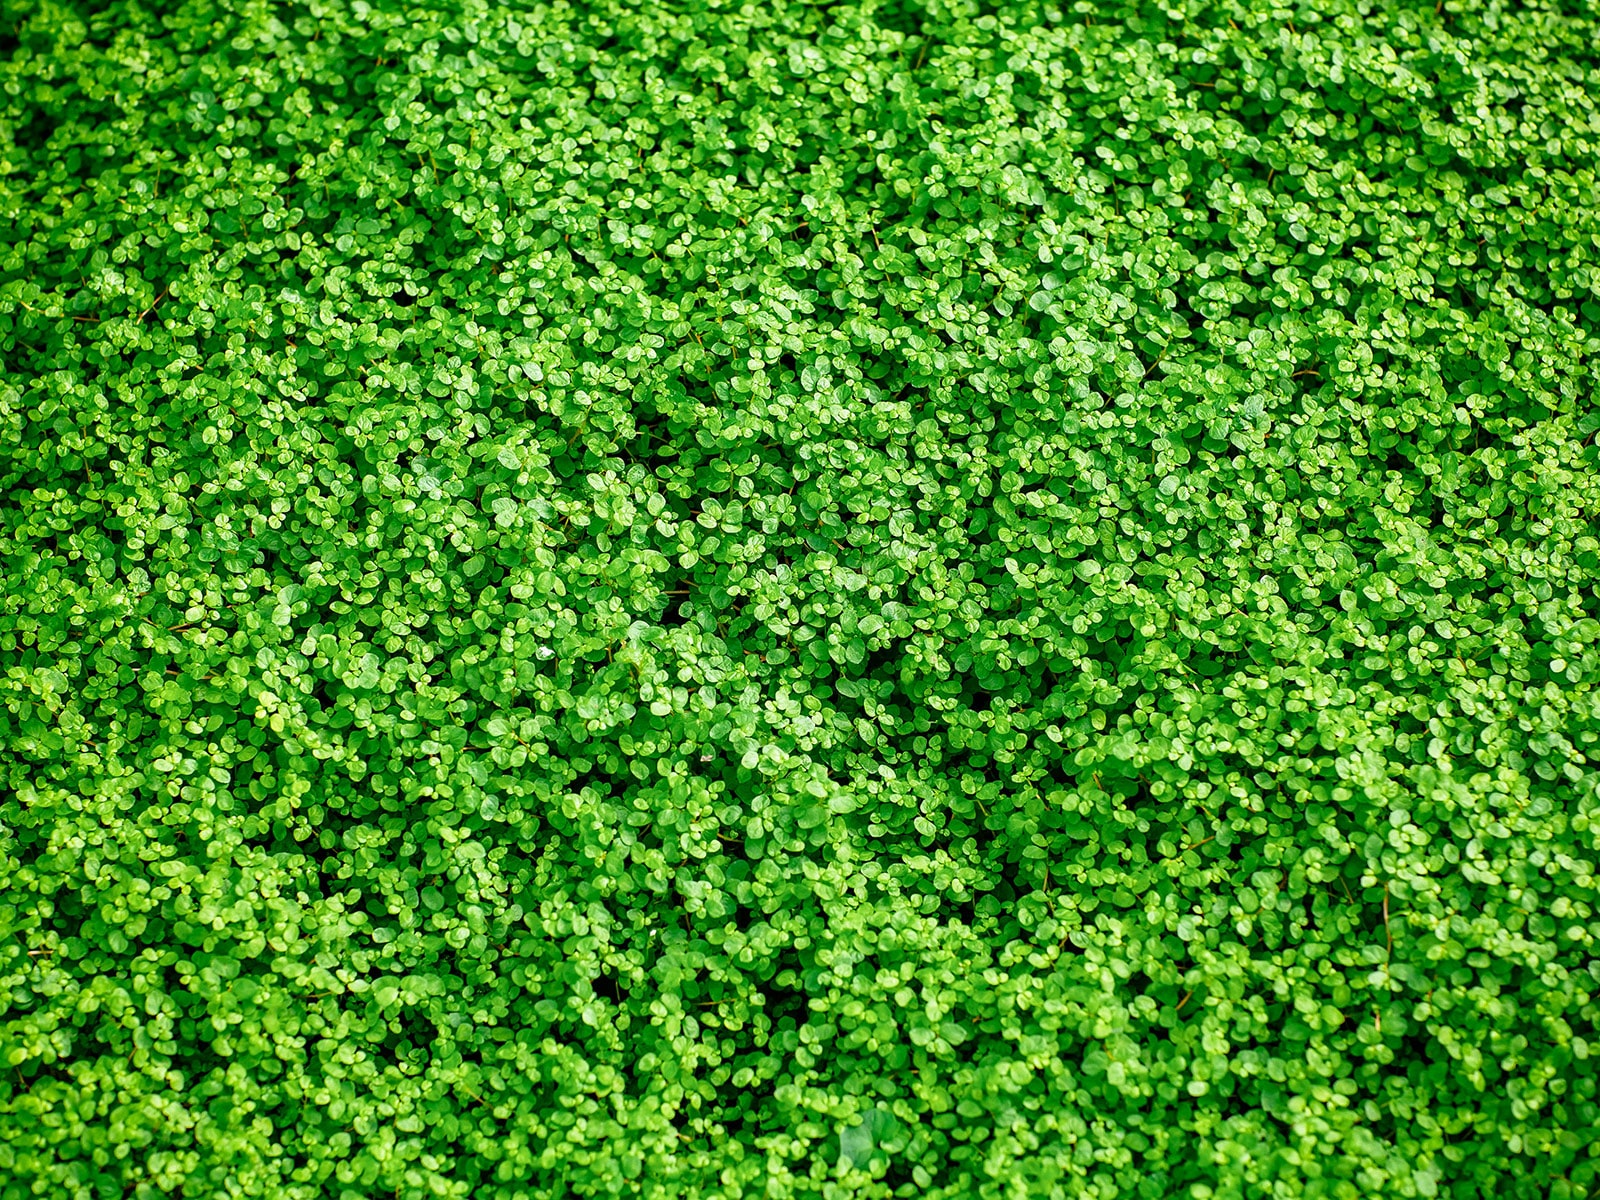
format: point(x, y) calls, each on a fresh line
point(798, 600)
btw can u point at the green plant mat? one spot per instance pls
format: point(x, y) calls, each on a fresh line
point(696, 599)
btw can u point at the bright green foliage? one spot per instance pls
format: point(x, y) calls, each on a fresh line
point(938, 598)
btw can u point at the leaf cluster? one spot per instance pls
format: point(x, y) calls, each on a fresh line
point(918, 598)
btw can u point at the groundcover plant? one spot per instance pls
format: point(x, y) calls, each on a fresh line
point(790, 599)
